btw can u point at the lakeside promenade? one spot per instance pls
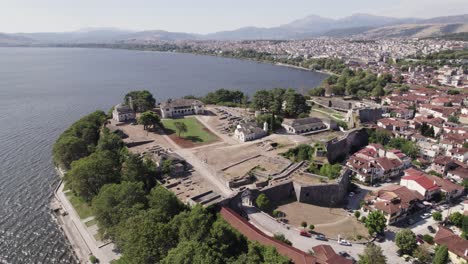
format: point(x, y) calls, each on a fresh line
point(79, 235)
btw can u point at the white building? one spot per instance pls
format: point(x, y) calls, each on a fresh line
point(123, 113)
point(304, 125)
point(249, 131)
point(182, 107)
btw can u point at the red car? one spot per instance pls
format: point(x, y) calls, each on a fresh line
point(305, 233)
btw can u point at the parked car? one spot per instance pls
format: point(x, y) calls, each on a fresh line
point(419, 236)
point(343, 254)
point(305, 233)
point(431, 229)
point(321, 237)
point(419, 241)
point(388, 180)
point(426, 215)
point(344, 242)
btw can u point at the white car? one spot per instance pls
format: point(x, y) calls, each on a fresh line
point(426, 215)
point(344, 242)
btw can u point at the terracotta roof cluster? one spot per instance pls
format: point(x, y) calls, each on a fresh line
point(445, 184)
point(454, 243)
point(326, 255)
point(253, 233)
point(421, 179)
point(393, 198)
point(460, 172)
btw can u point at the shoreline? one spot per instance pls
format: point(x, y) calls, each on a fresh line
point(81, 241)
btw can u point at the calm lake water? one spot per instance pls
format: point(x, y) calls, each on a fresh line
point(44, 90)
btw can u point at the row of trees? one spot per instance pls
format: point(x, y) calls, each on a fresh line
point(79, 140)
point(226, 97)
point(140, 101)
point(282, 102)
point(356, 83)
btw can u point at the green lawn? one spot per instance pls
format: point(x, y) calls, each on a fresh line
point(196, 132)
point(83, 209)
point(91, 223)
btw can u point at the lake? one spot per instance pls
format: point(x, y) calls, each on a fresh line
point(44, 90)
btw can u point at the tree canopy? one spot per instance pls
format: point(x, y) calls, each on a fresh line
point(372, 254)
point(263, 202)
point(140, 101)
point(118, 202)
point(223, 97)
point(149, 118)
point(406, 241)
point(280, 101)
point(89, 174)
point(375, 222)
point(79, 140)
point(441, 255)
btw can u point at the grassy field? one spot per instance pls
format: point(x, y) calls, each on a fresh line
point(196, 133)
point(81, 207)
point(91, 223)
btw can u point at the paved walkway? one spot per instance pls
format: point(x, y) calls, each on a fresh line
point(83, 242)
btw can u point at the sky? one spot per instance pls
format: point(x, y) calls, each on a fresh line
point(200, 16)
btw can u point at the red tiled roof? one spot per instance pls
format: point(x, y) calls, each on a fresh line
point(445, 184)
point(423, 181)
point(326, 255)
point(253, 233)
point(454, 243)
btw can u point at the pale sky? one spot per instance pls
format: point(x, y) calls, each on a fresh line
point(200, 16)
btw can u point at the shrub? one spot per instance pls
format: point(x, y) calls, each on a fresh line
point(428, 238)
point(437, 216)
point(357, 214)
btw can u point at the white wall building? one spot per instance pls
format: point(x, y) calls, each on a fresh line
point(182, 107)
point(123, 113)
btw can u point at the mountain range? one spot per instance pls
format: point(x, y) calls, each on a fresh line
point(357, 25)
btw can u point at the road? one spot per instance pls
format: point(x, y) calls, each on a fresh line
point(270, 226)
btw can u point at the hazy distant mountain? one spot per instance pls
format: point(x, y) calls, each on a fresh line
point(12, 40)
point(362, 25)
point(89, 35)
point(153, 35)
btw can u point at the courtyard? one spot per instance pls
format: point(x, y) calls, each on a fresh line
point(332, 222)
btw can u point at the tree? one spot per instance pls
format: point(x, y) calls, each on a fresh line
point(437, 216)
point(116, 203)
point(89, 174)
point(226, 240)
point(375, 222)
point(194, 225)
point(453, 119)
point(295, 104)
point(311, 227)
point(68, 149)
point(372, 255)
point(140, 101)
point(422, 255)
point(357, 214)
point(378, 91)
point(277, 96)
point(164, 203)
point(428, 238)
point(149, 118)
point(304, 224)
point(189, 252)
point(109, 141)
point(144, 239)
point(180, 127)
point(406, 241)
point(261, 100)
point(330, 171)
point(263, 202)
point(282, 238)
point(441, 255)
point(456, 219)
point(138, 169)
